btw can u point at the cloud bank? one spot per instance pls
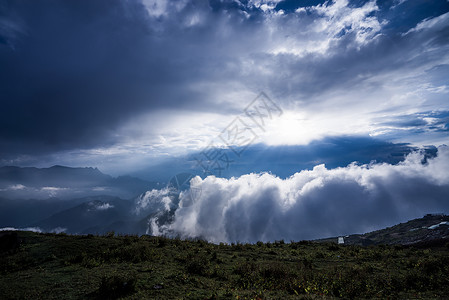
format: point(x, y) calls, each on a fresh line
point(314, 203)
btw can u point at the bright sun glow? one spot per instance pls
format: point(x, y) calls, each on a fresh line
point(289, 129)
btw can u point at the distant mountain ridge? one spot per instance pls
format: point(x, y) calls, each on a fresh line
point(286, 160)
point(54, 176)
point(67, 182)
point(72, 200)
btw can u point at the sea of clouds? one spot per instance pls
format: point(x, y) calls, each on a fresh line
point(313, 203)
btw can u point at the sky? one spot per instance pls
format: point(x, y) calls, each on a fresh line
point(121, 85)
point(291, 113)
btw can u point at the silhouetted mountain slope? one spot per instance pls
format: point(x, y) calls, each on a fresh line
point(95, 213)
point(22, 212)
point(423, 230)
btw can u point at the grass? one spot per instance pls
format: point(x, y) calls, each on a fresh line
point(59, 266)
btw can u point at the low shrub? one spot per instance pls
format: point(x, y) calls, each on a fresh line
point(116, 286)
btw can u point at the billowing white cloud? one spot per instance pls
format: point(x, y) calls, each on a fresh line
point(154, 200)
point(58, 230)
point(437, 23)
point(334, 20)
point(314, 203)
point(102, 206)
point(53, 191)
point(16, 187)
point(158, 8)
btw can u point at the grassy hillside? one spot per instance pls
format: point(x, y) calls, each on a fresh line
point(58, 266)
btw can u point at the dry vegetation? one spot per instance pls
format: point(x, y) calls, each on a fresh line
point(51, 266)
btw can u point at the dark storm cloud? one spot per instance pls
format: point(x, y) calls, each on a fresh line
point(69, 77)
point(73, 72)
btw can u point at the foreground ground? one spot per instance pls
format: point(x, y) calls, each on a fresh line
point(50, 266)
